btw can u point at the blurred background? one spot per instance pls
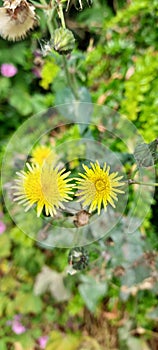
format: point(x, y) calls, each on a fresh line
point(111, 301)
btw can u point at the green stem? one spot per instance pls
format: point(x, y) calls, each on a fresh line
point(67, 73)
point(39, 6)
point(51, 23)
point(61, 15)
point(133, 182)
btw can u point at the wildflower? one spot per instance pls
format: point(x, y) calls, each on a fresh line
point(2, 227)
point(17, 326)
point(8, 70)
point(46, 186)
point(43, 341)
point(17, 17)
point(43, 153)
point(97, 186)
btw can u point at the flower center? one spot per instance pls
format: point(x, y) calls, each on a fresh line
point(100, 185)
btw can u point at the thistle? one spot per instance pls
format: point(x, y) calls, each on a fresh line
point(17, 17)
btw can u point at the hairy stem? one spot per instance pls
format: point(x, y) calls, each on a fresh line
point(61, 15)
point(70, 81)
point(133, 182)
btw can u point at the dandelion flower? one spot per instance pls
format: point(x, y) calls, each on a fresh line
point(46, 186)
point(17, 17)
point(97, 187)
point(43, 153)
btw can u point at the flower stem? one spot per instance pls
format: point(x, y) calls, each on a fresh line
point(61, 15)
point(67, 73)
point(51, 23)
point(133, 182)
point(40, 6)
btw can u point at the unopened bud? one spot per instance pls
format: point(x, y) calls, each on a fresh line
point(64, 41)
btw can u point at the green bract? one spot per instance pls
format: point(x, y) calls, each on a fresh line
point(64, 41)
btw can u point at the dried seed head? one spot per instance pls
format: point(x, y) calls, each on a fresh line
point(82, 218)
point(17, 17)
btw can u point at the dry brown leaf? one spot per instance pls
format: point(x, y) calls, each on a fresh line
point(18, 346)
point(129, 72)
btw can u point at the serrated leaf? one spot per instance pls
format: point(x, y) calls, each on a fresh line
point(146, 154)
point(92, 291)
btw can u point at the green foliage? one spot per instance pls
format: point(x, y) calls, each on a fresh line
point(126, 78)
point(140, 103)
point(146, 154)
point(92, 291)
point(5, 246)
point(117, 66)
point(49, 72)
point(58, 341)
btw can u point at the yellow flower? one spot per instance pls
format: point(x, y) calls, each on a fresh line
point(17, 17)
point(97, 186)
point(46, 186)
point(43, 153)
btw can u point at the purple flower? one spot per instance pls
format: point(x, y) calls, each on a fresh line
point(17, 326)
point(2, 227)
point(8, 70)
point(43, 341)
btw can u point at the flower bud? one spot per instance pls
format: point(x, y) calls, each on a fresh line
point(78, 258)
point(63, 41)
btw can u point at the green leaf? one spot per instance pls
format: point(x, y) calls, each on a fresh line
point(92, 291)
point(5, 85)
point(21, 101)
point(20, 238)
point(28, 302)
point(153, 315)
point(134, 343)
point(4, 245)
point(146, 154)
point(59, 341)
point(3, 345)
point(8, 283)
point(77, 111)
point(3, 303)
